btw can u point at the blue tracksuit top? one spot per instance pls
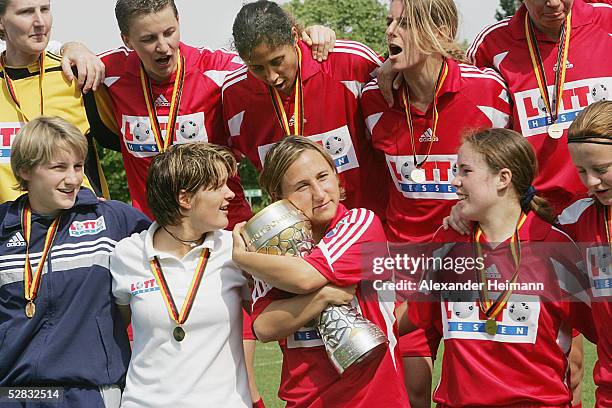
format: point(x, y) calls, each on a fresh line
point(76, 338)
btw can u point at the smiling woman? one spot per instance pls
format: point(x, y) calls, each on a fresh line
point(181, 291)
point(55, 242)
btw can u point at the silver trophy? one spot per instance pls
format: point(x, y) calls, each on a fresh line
point(349, 338)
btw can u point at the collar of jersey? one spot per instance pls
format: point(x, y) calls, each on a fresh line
point(150, 252)
point(85, 197)
point(582, 14)
point(452, 84)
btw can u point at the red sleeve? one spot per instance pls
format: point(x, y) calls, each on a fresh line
point(344, 256)
point(353, 61)
point(218, 60)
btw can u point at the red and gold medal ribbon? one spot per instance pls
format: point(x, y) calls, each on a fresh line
point(489, 307)
point(177, 91)
point(10, 87)
point(406, 99)
point(32, 281)
point(538, 65)
point(181, 317)
point(298, 105)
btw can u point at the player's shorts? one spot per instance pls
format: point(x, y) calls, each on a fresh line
point(420, 343)
point(603, 397)
point(247, 327)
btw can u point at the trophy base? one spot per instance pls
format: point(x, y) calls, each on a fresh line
point(364, 346)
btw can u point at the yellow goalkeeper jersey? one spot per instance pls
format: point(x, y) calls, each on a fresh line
point(90, 113)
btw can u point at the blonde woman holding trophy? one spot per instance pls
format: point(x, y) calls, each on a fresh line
point(297, 290)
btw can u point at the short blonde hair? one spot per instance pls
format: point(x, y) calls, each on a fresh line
point(38, 141)
point(433, 26)
point(187, 167)
point(281, 156)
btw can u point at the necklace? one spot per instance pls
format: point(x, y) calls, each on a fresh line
point(191, 242)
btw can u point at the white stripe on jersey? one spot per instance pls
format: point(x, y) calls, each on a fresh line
point(571, 214)
point(355, 87)
point(349, 233)
point(222, 49)
point(387, 309)
point(499, 81)
point(471, 52)
point(236, 73)
point(601, 5)
point(218, 77)
point(370, 86)
point(469, 71)
point(120, 50)
point(340, 44)
point(356, 52)
point(229, 83)
point(260, 289)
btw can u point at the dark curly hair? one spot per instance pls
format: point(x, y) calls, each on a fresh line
point(262, 22)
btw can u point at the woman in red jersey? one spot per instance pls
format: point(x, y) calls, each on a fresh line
point(508, 345)
point(588, 222)
point(301, 171)
point(419, 136)
point(283, 91)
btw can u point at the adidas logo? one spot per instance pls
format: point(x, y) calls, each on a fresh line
point(426, 137)
point(16, 241)
point(568, 65)
point(161, 101)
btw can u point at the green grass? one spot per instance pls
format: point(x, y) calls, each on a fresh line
point(268, 364)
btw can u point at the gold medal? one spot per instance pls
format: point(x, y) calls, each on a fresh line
point(491, 326)
point(30, 309)
point(555, 131)
point(418, 175)
point(178, 333)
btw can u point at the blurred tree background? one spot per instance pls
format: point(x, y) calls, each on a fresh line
point(507, 9)
point(359, 20)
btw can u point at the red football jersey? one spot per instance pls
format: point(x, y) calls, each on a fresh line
point(525, 363)
point(470, 99)
point(331, 117)
point(584, 220)
point(199, 117)
point(308, 378)
point(503, 46)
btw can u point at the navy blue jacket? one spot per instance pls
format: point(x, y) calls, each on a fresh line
point(76, 337)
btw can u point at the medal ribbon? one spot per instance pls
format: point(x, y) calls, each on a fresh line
point(177, 91)
point(489, 307)
point(181, 317)
point(538, 65)
point(10, 87)
point(32, 281)
point(608, 224)
point(298, 105)
point(406, 98)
